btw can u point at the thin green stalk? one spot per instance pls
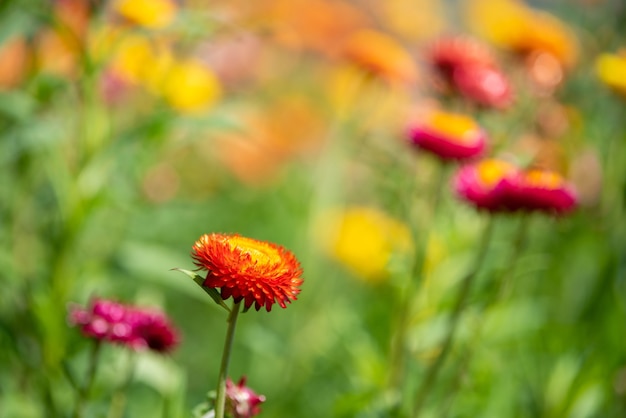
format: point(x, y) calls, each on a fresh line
point(503, 289)
point(228, 344)
point(455, 316)
point(83, 393)
point(398, 354)
point(505, 286)
point(118, 401)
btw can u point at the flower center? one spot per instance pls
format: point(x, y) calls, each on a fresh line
point(260, 253)
point(460, 128)
point(491, 172)
point(543, 179)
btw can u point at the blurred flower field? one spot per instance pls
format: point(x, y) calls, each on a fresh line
point(408, 208)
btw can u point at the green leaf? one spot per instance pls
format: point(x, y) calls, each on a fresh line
point(215, 295)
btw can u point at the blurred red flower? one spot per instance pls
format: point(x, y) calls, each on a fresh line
point(481, 184)
point(540, 190)
point(498, 186)
point(450, 136)
point(468, 67)
point(127, 325)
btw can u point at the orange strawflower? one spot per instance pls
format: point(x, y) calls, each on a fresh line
point(317, 25)
point(257, 272)
point(513, 25)
point(382, 56)
point(14, 55)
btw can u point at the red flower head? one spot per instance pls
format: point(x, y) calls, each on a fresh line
point(150, 329)
point(241, 401)
point(484, 85)
point(540, 190)
point(482, 184)
point(498, 186)
point(468, 67)
point(450, 136)
point(452, 52)
point(126, 325)
point(253, 271)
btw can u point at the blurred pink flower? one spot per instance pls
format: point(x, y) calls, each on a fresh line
point(484, 85)
point(242, 402)
point(451, 52)
point(468, 67)
point(498, 186)
point(127, 325)
point(450, 136)
point(482, 184)
point(540, 190)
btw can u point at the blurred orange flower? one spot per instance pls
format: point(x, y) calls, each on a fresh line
point(413, 20)
point(382, 56)
point(513, 25)
point(284, 130)
point(252, 271)
point(14, 56)
point(56, 54)
point(318, 25)
point(59, 47)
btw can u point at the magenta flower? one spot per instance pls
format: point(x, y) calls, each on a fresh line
point(540, 190)
point(242, 402)
point(498, 186)
point(452, 52)
point(468, 67)
point(449, 136)
point(484, 85)
point(482, 184)
point(133, 327)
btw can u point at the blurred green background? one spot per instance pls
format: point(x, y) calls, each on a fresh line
point(130, 128)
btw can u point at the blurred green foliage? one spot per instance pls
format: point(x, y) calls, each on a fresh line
point(104, 198)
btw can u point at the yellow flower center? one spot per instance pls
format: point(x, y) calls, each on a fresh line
point(544, 179)
point(461, 128)
point(491, 172)
point(260, 253)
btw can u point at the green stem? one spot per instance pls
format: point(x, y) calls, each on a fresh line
point(455, 316)
point(503, 289)
point(398, 354)
point(505, 286)
point(118, 401)
point(83, 393)
point(228, 344)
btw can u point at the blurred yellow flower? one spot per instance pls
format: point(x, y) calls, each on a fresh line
point(364, 240)
point(152, 14)
point(134, 55)
point(611, 69)
point(512, 25)
point(190, 86)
